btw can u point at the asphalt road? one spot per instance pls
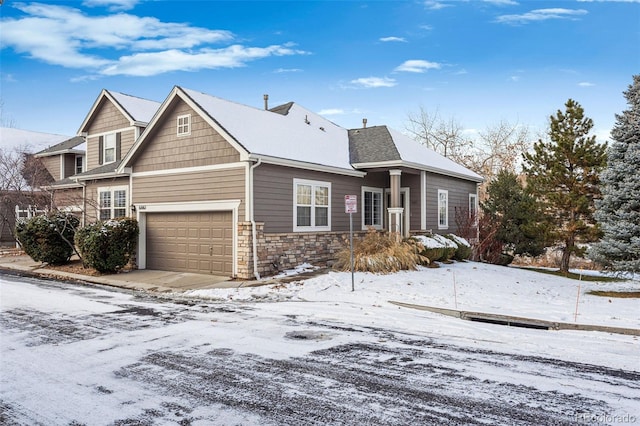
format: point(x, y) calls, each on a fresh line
point(75, 354)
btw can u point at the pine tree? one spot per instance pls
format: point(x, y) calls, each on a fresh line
point(618, 213)
point(515, 215)
point(563, 174)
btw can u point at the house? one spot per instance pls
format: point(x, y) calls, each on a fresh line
point(15, 196)
point(215, 184)
point(113, 124)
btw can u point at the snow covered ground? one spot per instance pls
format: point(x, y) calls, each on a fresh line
point(313, 351)
point(468, 286)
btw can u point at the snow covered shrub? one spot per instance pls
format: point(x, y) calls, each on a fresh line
point(380, 253)
point(48, 238)
point(108, 246)
point(463, 249)
point(436, 247)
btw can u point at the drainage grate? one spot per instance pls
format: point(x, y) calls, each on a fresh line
point(508, 323)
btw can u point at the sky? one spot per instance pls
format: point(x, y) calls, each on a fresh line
point(476, 62)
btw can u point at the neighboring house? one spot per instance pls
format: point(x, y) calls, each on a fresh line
point(14, 196)
point(113, 124)
point(215, 184)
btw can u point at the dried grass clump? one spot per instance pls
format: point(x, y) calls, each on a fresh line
point(382, 253)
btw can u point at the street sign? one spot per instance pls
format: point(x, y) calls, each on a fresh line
point(351, 204)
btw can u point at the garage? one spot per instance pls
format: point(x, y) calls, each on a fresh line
point(198, 242)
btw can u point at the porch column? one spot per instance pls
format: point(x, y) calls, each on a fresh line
point(395, 210)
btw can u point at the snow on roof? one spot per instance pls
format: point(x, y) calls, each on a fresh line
point(11, 138)
point(140, 109)
point(300, 135)
point(412, 151)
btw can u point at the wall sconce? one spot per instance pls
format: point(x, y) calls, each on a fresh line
point(133, 208)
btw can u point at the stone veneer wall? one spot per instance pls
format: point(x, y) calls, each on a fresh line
point(277, 252)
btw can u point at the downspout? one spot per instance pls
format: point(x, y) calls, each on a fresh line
point(253, 221)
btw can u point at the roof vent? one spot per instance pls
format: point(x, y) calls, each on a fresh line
point(364, 123)
point(306, 120)
point(266, 102)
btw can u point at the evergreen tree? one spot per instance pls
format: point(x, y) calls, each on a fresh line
point(515, 215)
point(563, 174)
point(618, 212)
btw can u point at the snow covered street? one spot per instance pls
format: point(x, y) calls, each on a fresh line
point(314, 352)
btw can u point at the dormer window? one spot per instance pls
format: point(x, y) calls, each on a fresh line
point(109, 148)
point(184, 125)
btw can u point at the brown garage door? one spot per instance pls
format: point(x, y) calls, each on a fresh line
point(200, 242)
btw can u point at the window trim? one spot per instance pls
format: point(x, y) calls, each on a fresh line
point(79, 157)
point(381, 215)
point(473, 210)
point(446, 216)
point(112, 190)
point(314, 184)
point(105, 147)
point(186, 127)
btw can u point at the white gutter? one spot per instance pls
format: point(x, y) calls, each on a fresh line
point(252, 219)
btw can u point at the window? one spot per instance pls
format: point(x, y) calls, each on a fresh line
point(109, 154)
point(113, 203)
point(184, 125)
point(473, 208)
point(443, 209)
point(79, 164)
point(312, 205)
point(371, 208)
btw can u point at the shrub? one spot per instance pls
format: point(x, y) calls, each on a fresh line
point(437, 248)
point(381, 253)
point(108, 246)
point(48, 238)
point(463, 251)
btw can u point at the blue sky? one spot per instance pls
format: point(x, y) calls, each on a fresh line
point(478, 62)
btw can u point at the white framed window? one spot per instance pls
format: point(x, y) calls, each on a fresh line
point(113, 202)
point(473, 208)
point(184, 125)
point(443, 209)
point(311, 205)
point(372, 201)
point(109, 149)
point(79, 164)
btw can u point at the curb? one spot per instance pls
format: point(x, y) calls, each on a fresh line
point(514, 321)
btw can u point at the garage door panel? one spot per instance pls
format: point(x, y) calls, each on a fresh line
point(190, 242)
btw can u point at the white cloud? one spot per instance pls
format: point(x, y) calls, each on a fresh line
point(374, 82)
point(541, 15)
point(418, 66)
point(113, 5)
point(147, 64)
point(502, 2)
point(67, 37)
point(286, 70)
point(400, 39)
point(426, 27)
point(436, 5)
point(514, 78)
point(585, 84)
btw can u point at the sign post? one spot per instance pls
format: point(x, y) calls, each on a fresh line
point(351, 207)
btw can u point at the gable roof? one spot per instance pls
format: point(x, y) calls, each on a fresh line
point(64, 147)
point(290, 135)
point(381, 146)
point(137, 110)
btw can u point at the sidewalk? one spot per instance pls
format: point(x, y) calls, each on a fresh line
point(146, 280)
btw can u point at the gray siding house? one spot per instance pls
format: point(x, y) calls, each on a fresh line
point(224, 188)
